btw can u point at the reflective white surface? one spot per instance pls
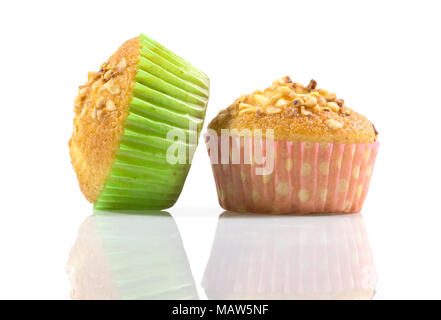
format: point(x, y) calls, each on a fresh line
point(130, 256)
point(290, 257)
point(405, 247)
point(141, 256)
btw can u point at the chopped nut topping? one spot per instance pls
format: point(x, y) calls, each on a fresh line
point(99, 114)
point(333, 106)
point(284, 91)
point(286, 79)
point(110, 106)
point(83, 112)
point(297, 102)
point(272, 100)
point(121, 65)
point(375, 130)
point(108, 75)
point(304, 112)
point(330, 97)
point(248, 110)
point(91, 75)
point(334, 124)
point(93, 114)
point(281, 102)
point(245, 106)
point(316, 109)
point(323, 92)
point(311, 102)
point(83, 92)
point(111, 87)
point(296, 99)
point(272, 110)
point(95, 85)
point(340, 102)
point(312, 85)
point(321, 101)
point(259, 99)
point(101, 102)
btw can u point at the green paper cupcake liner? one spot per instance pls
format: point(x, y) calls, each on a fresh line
point(169, 93)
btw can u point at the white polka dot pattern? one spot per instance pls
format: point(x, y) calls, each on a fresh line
point(306, 169)
point(303, 195)
point(324, 168)
point(282, 189)
point(306, 178)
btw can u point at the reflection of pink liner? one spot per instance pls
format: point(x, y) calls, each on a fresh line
point(290, 257)
point(307, 178)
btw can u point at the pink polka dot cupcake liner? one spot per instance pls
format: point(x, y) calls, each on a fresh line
point(306, 177)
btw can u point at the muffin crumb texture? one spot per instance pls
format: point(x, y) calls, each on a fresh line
point(297, 113)
point(101, 108)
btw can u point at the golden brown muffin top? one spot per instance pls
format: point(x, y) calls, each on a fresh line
point(296, 113)
point(101, 109)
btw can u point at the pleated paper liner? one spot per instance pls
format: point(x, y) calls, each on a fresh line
point(290, 257)
point(135, 257)
point(168, 94)
point(307, 177)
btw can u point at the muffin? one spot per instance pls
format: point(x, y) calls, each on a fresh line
point(298, 149)
point(128, 256)
point(290, 257)
point(124, 115)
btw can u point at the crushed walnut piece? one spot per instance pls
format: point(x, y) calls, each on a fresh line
point(103, 84)
point(108, 75)
point(83, 112)
point(293, 99)
point(272, 110)
point(333, 124)
point(100, 103)
point(111, 87)
point(110, 105)
point(122, 65)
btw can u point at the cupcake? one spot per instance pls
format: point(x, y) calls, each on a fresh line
point(127, 117)
point(290, 257)
point(291, 149)
point(127, 256)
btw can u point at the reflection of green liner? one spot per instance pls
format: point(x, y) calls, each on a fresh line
point(146, 256)
point(169, 93)
point(130, 256)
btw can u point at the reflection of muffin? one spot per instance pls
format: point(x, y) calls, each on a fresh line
point(122, 116)
point(290, 257)
point(323, 152)
point(123, 256)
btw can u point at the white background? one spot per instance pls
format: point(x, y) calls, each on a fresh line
point(382, 57)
